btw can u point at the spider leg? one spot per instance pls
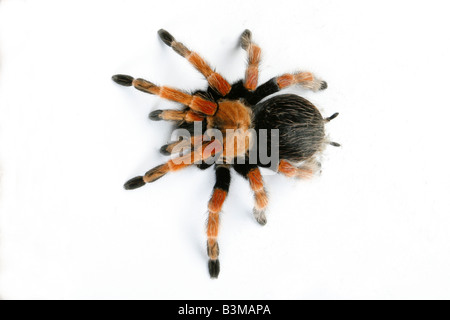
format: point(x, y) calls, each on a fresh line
point(253, 175)
point(304, 171)
point(178, 146)
point(220, 192)
point(176, 115)
point(254, 58)
point(305, 79)
point(202, 153)
point(215, 80)
point(195, 102)
point(174, 147)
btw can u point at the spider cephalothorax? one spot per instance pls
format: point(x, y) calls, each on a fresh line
point(234, 127)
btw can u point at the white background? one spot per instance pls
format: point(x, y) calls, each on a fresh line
point(375, 224)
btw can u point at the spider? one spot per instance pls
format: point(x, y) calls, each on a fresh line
point(234, 110)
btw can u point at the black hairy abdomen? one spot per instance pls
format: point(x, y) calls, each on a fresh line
point(300, 125)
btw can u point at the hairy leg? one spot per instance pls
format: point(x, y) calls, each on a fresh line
point(215, 80)
point(305, 171)
point(218, 197)
point(305, 79)
point(202, 153)
point(195, 102)
point(176, 115)
point(254, 58)
point(177, 146)
point(253, 175)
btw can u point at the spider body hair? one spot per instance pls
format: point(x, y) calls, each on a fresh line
point(300, 124)
point(235, 110)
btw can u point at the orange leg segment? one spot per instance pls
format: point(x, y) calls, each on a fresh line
point(304, 171)
point(305, 79)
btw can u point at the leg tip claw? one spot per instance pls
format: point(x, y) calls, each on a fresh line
point(323, 85)
point(134, 183)
point(334, 115)
point(166, 37)
point(260, 216)
point(214, 268)
point(163, 150)
point(246, 39)
point(123, 79)
point(155, 115)
point(334, 144)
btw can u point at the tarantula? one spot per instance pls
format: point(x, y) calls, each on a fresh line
point(235, 110)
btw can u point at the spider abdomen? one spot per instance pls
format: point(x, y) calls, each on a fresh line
point(300, 125)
